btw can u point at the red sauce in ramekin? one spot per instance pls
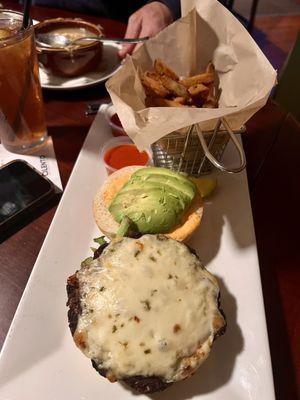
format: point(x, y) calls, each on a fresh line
point(124, 155)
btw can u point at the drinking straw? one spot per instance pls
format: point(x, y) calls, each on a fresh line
point(26, 13)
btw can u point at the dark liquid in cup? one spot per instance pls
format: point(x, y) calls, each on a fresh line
point(22, 121)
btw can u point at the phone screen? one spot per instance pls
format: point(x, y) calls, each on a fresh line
point(20, 186)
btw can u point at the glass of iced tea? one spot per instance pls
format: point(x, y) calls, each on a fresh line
point(22, 118)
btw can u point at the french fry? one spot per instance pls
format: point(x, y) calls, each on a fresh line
point(163, 88)
point(180, 100)
point(153, 74)
point(213, 97)
point(153, 87)
point(174, 87)
point(210, 69)
point(199, 90)
point(205, 78)
point(199, 94)
point(211, 93)
point(162, 69)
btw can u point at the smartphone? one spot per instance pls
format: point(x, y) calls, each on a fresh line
point(23, 190)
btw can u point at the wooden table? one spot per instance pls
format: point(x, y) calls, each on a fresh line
point(272, 146)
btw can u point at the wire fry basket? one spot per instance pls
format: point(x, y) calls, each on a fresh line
point(195, 152)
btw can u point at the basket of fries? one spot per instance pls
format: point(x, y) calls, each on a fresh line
point(189, 150)
point(190, 89)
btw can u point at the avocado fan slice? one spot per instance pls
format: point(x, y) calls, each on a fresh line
point(154, 199)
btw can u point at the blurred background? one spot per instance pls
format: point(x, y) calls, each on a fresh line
point(275, 25)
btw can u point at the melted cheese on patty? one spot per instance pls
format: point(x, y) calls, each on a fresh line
point(148, 308)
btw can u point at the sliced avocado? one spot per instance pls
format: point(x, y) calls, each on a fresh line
point(154, 199)
point(151, 189)
point(149, 172)
point(186, 189)
point(150, 214)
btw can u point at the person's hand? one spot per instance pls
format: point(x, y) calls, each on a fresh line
point(147, 21)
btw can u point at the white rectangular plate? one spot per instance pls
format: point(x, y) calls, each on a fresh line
point(39, 360)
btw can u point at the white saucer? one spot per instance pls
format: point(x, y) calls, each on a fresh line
point(110, 63)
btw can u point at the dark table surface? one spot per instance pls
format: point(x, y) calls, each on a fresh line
point(272, 147)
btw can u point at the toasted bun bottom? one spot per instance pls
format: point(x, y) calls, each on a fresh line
point(106, 223)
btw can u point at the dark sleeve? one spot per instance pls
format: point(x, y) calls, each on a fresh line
point(174, 6)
